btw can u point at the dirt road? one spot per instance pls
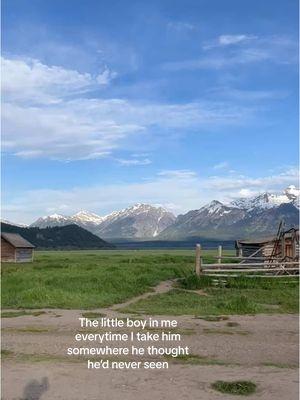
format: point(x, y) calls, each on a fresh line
point(261, 348)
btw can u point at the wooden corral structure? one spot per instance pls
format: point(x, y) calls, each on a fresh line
point(284, 246)
point(277, 256)
point(14, 248)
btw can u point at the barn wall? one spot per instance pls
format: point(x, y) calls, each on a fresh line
point(7, 251)
point(24, 255)
point(268, 250)
point(247, 250)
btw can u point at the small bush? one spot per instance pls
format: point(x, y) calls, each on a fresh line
point(242, 388)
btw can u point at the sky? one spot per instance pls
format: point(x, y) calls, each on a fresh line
point(169, 102)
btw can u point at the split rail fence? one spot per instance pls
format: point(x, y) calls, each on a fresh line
point(250, 266)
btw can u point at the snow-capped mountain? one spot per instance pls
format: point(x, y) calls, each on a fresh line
point(82, 218)
point(269, 200)
point(50, 221)
point(86, 216)
point(256, 216)
point(138, 221)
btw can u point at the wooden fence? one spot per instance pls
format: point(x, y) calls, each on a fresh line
point(259, 266)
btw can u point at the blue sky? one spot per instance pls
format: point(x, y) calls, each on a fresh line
point(109, 103)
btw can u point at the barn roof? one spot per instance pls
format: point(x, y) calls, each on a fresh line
point(16, 240)
point(287, 234)
point(255, 241)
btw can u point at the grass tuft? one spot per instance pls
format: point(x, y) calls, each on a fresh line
point(13, 314)
point(280, 365)
point(31, 329)
point(241, 388)
point(6, 353)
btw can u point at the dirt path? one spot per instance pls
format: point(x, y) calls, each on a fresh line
point(65, 382)
point(162, 287)
point(260, 348)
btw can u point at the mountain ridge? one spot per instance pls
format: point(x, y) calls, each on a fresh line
point(254, 216)
point(139, 219)
point(243, 218)
point(69, 237)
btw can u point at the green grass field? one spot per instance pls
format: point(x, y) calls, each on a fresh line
point(240, 295)
point(88, 279)
point(95, 279)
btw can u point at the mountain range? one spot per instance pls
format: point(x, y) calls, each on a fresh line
point(138, 221)
point(242, 218)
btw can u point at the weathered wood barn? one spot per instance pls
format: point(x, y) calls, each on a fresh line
point(14, 248)
point(285, 246)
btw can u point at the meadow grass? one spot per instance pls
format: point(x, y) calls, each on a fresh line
point(240, 295)
point(96, 279)
point(13, 314)
point(87, 279)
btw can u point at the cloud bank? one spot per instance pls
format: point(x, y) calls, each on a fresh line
point(177, 190)
point(49, 112)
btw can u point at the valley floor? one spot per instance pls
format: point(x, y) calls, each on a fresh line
point(40, 318)
point(261, 348)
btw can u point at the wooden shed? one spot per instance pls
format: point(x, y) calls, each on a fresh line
point(14, 248)
point(284, 246)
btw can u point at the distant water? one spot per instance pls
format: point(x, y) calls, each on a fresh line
point(180, 244)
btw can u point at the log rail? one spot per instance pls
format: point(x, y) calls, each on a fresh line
point(264, 266)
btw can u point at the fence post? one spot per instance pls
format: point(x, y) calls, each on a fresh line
point(220, 255)
point(294, 247)
point(283, 254)
point(198, 260)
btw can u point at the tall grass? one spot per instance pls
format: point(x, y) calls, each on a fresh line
point(240, 295)
point(85, 280)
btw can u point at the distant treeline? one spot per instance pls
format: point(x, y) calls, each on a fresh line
point(69, 237)
point(180, 244)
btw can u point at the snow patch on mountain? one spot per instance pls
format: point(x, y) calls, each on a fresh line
point(139, 220)
point(268, 200)
point(86, 216)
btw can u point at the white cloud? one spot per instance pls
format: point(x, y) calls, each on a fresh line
point(78, 129)
point(227, 92)
point(225, 40)
point(221, 165)
point(177, 190)
point(252, 50)
point(234, 183)
point(178, 174)
point(28, 80)
point(246, 193)
point(46, 115)
point(133, 162)
point(181, 26)
point(105, 77)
